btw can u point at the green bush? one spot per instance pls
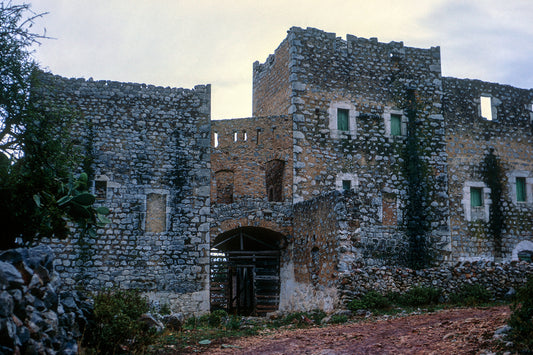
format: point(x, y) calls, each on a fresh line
point(117, 325)
point(470, 295)
point(419, 296)
point(216, 318)
point(521, 320)
point(371, 300)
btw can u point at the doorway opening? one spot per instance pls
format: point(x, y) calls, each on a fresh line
point(245, 264)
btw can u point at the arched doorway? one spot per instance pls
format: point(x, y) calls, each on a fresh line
point(245, 264)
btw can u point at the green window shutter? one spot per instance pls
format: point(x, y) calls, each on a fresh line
point(395, 125)
point(476, 197)
point(521, 189)
point(342, 119)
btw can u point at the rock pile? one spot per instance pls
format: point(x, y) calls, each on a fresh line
point(35, 318)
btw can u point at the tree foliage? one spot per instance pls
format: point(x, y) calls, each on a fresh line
point(16, 68)
point(37, 156)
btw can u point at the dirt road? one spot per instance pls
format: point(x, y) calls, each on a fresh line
point(455, 331)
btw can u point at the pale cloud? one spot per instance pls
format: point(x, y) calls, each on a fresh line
point(185, 43)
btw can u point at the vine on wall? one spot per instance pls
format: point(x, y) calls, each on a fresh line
point(493, 176)
point(417, 221)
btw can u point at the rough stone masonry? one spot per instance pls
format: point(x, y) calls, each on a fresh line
point(293, 205)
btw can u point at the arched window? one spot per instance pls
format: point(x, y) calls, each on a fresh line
point(274, 180)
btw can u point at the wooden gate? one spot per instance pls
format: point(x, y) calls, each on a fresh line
point(245, 282)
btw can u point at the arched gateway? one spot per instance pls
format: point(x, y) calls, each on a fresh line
point(245, 264)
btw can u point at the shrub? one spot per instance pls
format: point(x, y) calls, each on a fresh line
point(521, 320)
point(371, 300)
point(470, 295)
point(216, 318)
point(117, 325)
point(419, 296)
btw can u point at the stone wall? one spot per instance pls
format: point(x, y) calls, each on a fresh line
point(498, 278)
point(245, 147)
point(149, 153)
point(271, 89)
point(370, 80)
point(470, 140)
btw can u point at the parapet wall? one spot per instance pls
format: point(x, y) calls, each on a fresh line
point(149, 155)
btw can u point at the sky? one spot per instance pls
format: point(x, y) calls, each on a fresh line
point(183, 43)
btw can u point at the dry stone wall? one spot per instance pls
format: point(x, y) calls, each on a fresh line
point(149, 147)
point(497, 278)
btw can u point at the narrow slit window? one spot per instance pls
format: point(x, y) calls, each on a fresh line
point(244, 136)
point(521, 189)
point(476, 198)
point(235, 136)
point(342, 119)
point(395, 125)
point(257, 137)
point(215, 139)
point(486, 107)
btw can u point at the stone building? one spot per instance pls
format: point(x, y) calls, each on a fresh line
point(359, 154)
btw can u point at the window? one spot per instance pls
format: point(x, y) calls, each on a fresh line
point(521, 195)
point(224, 183)
point(100, 189)
point(235, 136)
point(244, 136)
point(476, 201)
point(215, 139)
point(274, 180)
point(346, 185)
point(395, 125)
point(521, 187)
point(346, 182)
point(476, 197)
point(486, 107)
point(343, 123)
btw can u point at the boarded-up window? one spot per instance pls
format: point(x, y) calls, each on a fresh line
point(156, 213)
point(390, 214)
point(342, 119)
point(274, 180)
point(395, 125)
point(224, 181)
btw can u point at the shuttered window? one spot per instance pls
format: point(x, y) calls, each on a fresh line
point(476, 199)
point(395, 125)
point(342, 119)
point(521, 189)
